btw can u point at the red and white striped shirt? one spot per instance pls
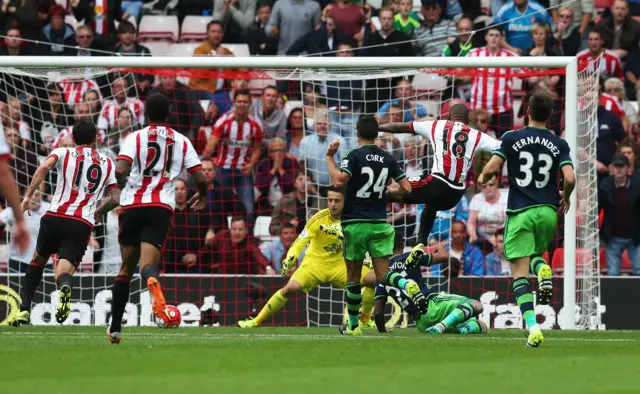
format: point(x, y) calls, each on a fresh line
point(493, 91)
point(83, 175)
point(610, 64)
point(611, 103)
point(237, 140)
point(67, 132)
point(157, 154)
point(109, 115)
point(454, 145)
point(72, 91)
point(100, 23)
point(5, 150)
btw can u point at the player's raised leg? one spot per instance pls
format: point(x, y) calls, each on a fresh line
point(398, 281)
point(463, 309)
point(471, 326)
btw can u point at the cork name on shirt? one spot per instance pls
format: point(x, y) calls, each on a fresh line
point(96, 156)
point(161, 131)
point(521, 143)
point(378, 158)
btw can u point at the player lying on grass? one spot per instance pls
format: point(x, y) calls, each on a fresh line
point(446, 312)
point(454, 144)
point(534, 156)
point(322, 263)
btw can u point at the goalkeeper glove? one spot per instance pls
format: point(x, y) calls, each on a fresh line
point(332, 229)
point(286, 265)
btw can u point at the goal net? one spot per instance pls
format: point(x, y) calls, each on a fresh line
point(221, 279)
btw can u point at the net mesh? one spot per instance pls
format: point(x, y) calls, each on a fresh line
point(42, 103)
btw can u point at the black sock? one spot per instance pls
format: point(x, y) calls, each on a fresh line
point(32, 279)
point(150, 271)
point(119, 298)
point(64, 279)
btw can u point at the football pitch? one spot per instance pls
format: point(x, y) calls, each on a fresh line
point(69, 360)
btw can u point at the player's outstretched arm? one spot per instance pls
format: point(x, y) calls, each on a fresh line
point(199, 200)
point(338, 177)
point(112, 202)
point(123, 168)
point(490, 170)
point(38, 177)
point(396, 128)
point(569, 185)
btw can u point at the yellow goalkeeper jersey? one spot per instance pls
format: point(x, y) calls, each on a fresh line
point(322, 247)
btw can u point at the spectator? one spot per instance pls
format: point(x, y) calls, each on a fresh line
point(383, 43)
point(628, 148)
point(581, 15)
point(81, 111)
point(542, 46)
point(94, 99)
point(620, 32)
point(518, 18)
point(615, 88)
point(611, 103)
point(460, 45)
point(237, 16)
point(609, 65)
point(107, 257)
point(100, 16)
point(223, 99)
point(292, 19)
point(495, 263)
point(442, 224)
point(238, 152)
point(60, 34)
point(405, 95)
point(344, 99)
point(185, 112)
point(610, 133)
point(323, 41)
point(15, 121)
point(487, 213)
point(84, 41)
point(432, 36)
point(295, 134)
point(235, 252)
point(566, 34)
point(22, 15)
point(205, 87)
point(314, 148)
point(275, 175)
point(259, 43)
point(348, 17)
point(182, 247)
point(52, 117)
point(618, 195)
point(276, 250)
point(413, 165)
point(632, 77)
point(18, 262)
point(271, 118)
point(125, 125)
point(494, 94)
point(393, 142)
point(128, 46)
point(406, 21)
point(296, 207)
point(14, 46)
point(312, 101)
point(23, 161)
point(469, 255)
point(111, 108)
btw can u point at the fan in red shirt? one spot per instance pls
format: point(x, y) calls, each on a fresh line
point(235, 252)
point(611, 103)
point(589, 59)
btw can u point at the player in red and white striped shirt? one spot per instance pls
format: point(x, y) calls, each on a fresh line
point(454, 145)
point(109, 114)
point(589, 59)
point(83, 176)
point(493, 91)
point(152, 160)
point(238, 138)
point(73, 90)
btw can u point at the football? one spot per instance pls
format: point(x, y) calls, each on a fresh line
point(173, 320)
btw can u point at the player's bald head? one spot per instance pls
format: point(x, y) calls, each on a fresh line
point(459, 113)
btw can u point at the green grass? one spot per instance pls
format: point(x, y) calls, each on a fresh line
point(48, 360)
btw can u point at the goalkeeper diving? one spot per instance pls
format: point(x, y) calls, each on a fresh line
point(322, 264)
point(446, 313)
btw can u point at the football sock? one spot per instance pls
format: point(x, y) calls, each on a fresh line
point(368, 298)
point(275, 303)
point(119, 298)
point(395, 279)
point(458, 315)
point(354, 300)
point(64, 279)
point(150, 271)
point(535, 264)
point(469, 327)
point(32, 279)
point(524, 299)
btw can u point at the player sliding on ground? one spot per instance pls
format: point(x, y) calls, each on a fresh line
point(366, 171)
point(322, 263)
point(533, 155)
point(446, 312)
point(83, 176)
point(149, 163)
point(454, 145)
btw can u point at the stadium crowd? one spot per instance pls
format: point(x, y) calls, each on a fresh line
point(263, 143)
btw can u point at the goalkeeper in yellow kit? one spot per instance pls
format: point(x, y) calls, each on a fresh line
point(322, 263)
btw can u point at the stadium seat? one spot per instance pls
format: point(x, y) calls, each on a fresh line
point(261, 229)
point(182, 49)
point(71, 20)
point(158, 48)
point(485, 6)
point(204, 104)
point(130, 19)
point(429, 83)
point(291, 104)
point(256, 86)
point(377, 4)
point(239, 50)
point(601, 5)
point(159, 27)
point(432, 106)
point(194, 28)
point(376, 22)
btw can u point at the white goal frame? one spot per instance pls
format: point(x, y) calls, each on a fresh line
point(570, 64)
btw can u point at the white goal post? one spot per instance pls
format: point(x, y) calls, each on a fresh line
point(358, 68)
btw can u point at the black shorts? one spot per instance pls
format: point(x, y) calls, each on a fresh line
point(144, 224)
point(433, 191)
point(63, 236)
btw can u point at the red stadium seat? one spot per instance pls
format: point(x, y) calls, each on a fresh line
point(194, 28)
